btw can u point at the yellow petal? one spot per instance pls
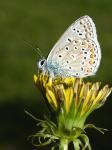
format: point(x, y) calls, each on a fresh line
point(51, 98)
point(35, 78)
point(68, 97)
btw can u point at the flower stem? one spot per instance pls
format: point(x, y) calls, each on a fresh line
point(63, 144)
point(76, 144)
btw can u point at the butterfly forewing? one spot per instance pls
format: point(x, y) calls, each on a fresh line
point(77, 52)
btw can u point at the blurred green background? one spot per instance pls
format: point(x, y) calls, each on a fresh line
point(41, 22)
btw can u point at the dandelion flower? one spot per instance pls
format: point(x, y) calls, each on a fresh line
point(72, 101)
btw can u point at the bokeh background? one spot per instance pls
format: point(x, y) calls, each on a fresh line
point(40, 23)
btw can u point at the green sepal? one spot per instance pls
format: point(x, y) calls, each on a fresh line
point(51, 132)
point(101, 130)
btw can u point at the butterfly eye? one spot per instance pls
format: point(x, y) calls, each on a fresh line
point(42, 62)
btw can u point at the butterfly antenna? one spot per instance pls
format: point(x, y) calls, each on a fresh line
point(35, 49)
point(40, 53)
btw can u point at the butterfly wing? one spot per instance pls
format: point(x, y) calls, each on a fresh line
point(77, 52)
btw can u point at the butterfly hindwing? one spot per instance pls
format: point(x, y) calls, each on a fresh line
point(77, 52)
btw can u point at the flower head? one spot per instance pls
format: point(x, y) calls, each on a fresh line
point(72, 100)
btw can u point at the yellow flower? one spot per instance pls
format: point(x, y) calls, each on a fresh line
point(86, 96)
point(72, 100)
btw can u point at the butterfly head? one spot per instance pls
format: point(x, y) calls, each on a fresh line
point(42, 64)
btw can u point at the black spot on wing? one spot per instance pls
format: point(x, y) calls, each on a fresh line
point(69, 40)
point(59, 56)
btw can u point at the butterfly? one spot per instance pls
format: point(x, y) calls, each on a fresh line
point(77, 53)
